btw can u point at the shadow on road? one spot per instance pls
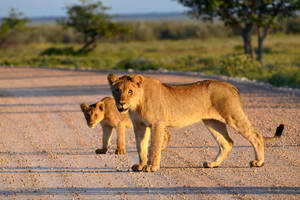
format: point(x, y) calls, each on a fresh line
point(153, 190)
point(72, 90)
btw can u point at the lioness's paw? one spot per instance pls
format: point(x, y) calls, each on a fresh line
point(101, 151)
point(144, 168)
point(138, 168)
point(256, 163)
point(210, 165)
point(151, 168)
point(120, 151)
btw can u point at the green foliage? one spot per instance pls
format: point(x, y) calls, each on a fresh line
point(140, 64)
point(141, 31)
point(293, 25)
point(241, 13)
point(89, 19)
point(245, 16)
point(210, 56)
point(52, 34)
point(283, 78)
point(10, 25)
point(59, 51)
point(241, 66)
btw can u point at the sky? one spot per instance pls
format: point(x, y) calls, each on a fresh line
point(42, 8)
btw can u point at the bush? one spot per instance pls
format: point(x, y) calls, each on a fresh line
point(289, 78)
point(140, 64)
point(59, 51)
point(293, 25)
point(53, 34)
point(173, 30)
point(241, 66)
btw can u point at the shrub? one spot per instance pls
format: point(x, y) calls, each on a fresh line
point(293, 25)
point(289, 78)
point(137, 64)
point(59, 51)
point(241, 66)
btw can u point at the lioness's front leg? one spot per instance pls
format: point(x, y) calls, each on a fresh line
point(106, 137)
point(121, 149)
point(157, 136)
point(142, 134)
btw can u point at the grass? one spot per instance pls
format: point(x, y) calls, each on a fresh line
point(281, 58)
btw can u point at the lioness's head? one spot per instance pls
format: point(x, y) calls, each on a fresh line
point(126, 90)
point(93, 113)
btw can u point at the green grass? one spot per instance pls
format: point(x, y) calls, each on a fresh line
point(281, 58)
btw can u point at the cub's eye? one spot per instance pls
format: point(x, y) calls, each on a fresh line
point(130, 92)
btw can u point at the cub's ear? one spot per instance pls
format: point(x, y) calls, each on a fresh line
point(100, 105)
point(112, 79)
point(138, 79)
point(84, 107)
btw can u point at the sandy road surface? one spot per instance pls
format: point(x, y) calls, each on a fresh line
point(47, 150)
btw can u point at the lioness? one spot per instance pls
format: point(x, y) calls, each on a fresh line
point(106, 113)
point(153, 105)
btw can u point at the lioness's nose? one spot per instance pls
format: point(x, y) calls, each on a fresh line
point(122, 103)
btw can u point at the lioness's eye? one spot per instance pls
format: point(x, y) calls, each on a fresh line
point(130, 92)
point(117, 90)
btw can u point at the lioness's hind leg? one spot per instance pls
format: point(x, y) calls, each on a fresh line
point(244, 127)
point(167, 136)
point(219, 132)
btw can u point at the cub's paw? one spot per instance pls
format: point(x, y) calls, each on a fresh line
point(256, 163)
point(210, 165)
point(120, 151)
point(138, 168)
point(101, 151)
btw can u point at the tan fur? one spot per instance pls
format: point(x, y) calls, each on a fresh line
point(153, 105)
point(106, 113)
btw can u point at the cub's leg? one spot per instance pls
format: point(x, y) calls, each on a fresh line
point(142, 135)
point(241, 123)
point(166, 139)
point(121, 149)
point(219, 132)
point(106, 137)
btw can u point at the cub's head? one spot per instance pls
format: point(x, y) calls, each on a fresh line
point(93, 113)
point(127, 90)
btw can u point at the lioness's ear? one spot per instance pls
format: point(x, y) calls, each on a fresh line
point(138, 79)
point(84, 107)
point(100, 105)
point(112, 78)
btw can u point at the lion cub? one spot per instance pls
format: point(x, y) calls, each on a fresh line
point(105, 112)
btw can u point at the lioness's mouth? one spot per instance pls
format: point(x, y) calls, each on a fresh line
point(123, 110)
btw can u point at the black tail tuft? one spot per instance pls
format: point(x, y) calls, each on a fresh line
point(279, 130)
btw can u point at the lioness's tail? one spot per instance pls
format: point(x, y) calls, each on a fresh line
point(277, 135)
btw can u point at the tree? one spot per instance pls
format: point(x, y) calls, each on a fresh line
point(246, 16)
point(14, 22)
point(89, 19)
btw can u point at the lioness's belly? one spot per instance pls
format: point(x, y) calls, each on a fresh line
point(182, 121)
point(185, 119)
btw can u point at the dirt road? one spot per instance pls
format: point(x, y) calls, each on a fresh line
point(47, 150)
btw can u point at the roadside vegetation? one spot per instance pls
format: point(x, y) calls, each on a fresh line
point(186, 45)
